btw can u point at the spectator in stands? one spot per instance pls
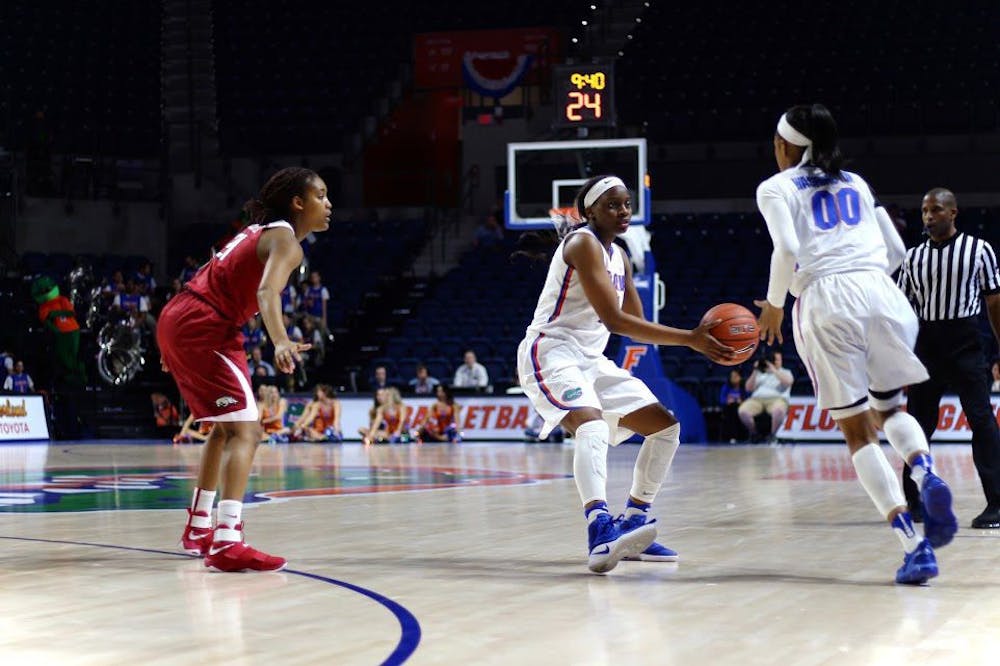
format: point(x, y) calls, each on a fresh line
point(896, 214)
point(380, 379)
point(731, 396)
point(441, 422)
point(144, 278)
point(770, 386)
point(164, 412)
point(489, 235)
point(312, 336)
point(190, 268)
point(314, 300)
point(272, 414)
point(320, 420)
point(389, 423)
point(257, 362)
point(176, 286)
point(19, 381)
point(115, 285)
point(6, 363)
point(131, 300)
point(423, 383)
point(292, 329)
point(471, 374)
point(253, 335)
point(995, 386)
point(289, 299)
point(190, 434)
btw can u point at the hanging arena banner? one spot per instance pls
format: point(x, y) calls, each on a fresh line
point(491, 62)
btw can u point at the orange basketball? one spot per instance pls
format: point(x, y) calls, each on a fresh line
point(738, 329)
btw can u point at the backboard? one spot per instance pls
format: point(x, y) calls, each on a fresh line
point(543, 175)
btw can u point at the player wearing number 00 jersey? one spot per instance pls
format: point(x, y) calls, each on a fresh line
point(834, 249)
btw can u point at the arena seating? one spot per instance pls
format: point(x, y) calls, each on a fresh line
point(93, 68)
point(690, 87)
point(307, 88)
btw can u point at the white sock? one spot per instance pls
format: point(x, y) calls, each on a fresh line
point(653, 462)
point(902, 525)
point(878, 479)
point(201, 502)
point(230, 513)
point(596, 510)
point(590, 460)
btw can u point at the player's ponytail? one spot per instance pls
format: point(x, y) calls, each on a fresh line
point(275, 198)
point(816, 122)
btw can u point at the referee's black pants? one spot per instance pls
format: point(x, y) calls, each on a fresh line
point(953, 354)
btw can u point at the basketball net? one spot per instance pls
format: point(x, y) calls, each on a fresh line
point(564, 219)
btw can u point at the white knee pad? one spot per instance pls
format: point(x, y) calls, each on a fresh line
point(878, 478)
point(653, 462)
point(590, 460)
point(905, 435)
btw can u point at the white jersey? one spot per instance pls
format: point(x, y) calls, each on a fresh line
point(563, 311)
point(834, 220)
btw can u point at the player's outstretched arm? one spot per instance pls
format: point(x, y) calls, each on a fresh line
point(584, 254)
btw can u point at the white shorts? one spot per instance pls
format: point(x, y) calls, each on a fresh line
point(558, 378)
point(855, 332)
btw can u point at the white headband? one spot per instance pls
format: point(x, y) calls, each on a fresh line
point(600, 187)
point(792, 135)
point(795, 137)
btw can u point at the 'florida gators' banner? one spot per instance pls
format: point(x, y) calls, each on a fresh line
point(807, 422)
point(491, 62)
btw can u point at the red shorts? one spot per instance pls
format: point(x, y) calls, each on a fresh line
point(205, 355)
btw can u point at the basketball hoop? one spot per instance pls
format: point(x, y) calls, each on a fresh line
point(564, 219)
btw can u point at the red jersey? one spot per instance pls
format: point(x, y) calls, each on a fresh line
point(230, 280)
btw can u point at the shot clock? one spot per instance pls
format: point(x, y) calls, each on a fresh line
point(584, 95)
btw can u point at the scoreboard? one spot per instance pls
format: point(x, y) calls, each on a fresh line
point(584, 95)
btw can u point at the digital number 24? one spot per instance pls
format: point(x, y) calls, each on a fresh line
point(583, 101)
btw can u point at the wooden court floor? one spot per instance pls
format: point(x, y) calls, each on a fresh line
point(475, 554)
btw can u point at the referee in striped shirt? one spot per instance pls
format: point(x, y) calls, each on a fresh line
point(946, 278)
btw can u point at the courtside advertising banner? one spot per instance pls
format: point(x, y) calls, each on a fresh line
point(487, 417)
point(22, 418)
point(805, 422)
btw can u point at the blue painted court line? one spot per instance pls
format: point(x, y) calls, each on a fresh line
point(409, 627)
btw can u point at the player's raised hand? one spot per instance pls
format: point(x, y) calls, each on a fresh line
point(704, 342)
point(286, 354)
point(769, 322)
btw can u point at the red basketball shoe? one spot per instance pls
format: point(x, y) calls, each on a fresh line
point(196, 540)
point(229, 554)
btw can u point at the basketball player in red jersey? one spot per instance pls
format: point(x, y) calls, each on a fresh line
point(202, 347)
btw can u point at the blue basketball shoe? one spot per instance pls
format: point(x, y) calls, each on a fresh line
point(656, 552)
point(940, 523)
point(608, 544)
point(918, 566)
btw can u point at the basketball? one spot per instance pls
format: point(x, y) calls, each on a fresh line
point(738, 329)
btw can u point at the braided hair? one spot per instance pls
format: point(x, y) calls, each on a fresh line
point(275, 198)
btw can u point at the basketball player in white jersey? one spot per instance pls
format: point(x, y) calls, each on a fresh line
point(834, 249)
point(589, 293)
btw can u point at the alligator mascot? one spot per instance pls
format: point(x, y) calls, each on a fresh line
point(56, 312)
